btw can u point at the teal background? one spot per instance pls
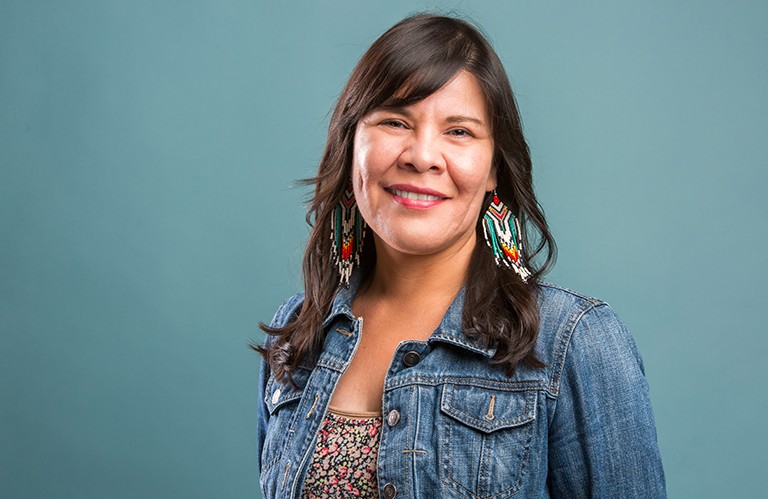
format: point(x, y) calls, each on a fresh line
point(148, 219)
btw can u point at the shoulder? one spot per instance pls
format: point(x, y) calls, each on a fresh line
point(558, 304)
point(575, 328)
point(601, 410)
point(287, 310)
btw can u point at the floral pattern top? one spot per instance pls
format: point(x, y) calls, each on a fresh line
point(344, 463)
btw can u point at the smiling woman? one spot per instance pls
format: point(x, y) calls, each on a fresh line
point(472, 377)
point(420, 172)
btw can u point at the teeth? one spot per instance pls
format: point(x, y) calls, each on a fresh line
point(415, 196)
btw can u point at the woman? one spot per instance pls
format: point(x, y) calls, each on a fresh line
point(425, 357)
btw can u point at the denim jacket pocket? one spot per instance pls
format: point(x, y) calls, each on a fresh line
point(281, 401)
point(485, 439)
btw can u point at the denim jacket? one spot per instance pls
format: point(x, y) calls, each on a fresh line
point(457, 426)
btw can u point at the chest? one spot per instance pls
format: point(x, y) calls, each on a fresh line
point(361, 386)
point(450, 424)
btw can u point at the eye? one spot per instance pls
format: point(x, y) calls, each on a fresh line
point(460, 132)
point(393, 123)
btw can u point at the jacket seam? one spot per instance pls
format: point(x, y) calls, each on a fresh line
point(571, 292)
point(561, 353)
point(509, 386)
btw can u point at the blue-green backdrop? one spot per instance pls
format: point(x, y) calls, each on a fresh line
point(148, 219)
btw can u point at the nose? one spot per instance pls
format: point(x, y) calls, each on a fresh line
point(424, 152)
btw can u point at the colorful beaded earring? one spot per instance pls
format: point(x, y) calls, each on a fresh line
point(347, 226)
point(502, 233)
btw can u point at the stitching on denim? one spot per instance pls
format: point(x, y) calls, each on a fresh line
point(591, 299)
point(281, 446)
point(268, 390)
point(331, 364)
point(445, 440)
point(525, 432)
point(416, 451)
point(506, 386)
point(524, 458)
point(268, 467)
point(502, 423)
point(409, 428)
point(284, 400)
point(527, 452)
point(562, 349)
point(459, 341)
point(483, 474)
point(528, 416)
point(289, 434)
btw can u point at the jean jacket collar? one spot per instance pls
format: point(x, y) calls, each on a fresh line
point(449, 331)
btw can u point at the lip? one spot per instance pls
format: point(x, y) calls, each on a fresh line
point(396, 191)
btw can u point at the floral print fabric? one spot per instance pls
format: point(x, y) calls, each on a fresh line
point(344, 463)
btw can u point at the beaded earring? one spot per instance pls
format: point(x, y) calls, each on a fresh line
point(347, 226)
point(502, 233)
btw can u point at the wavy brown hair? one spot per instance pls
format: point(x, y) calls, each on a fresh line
point(409, 62)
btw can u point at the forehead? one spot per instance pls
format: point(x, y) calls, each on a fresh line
point(461, 93)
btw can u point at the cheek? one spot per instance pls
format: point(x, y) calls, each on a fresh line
point(363, 174)
point(363, 157)
point(373, 157)
point(477, 177)
point(360, 165)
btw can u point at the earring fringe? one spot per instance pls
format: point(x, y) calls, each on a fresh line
point(503, 235)
point(347, 226)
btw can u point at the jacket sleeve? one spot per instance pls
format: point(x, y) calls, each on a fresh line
point(285, 313)
point(263, 413)
point(602, 436)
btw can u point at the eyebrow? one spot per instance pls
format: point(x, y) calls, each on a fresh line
point(461, 119)
point(458, 118)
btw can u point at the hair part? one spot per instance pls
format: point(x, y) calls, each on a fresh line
point(409, 62)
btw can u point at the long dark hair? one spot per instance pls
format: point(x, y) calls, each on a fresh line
point(409, 62)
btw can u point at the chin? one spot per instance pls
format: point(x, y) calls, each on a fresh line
point(416, 243)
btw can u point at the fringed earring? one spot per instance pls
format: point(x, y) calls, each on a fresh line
point(347, 226)
point(502, 233)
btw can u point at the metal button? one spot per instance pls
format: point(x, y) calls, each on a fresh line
point(389, 491)
point(276, 396)
point(393, 417)
point(411, 358)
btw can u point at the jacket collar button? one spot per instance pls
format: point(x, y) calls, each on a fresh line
point(411, 358)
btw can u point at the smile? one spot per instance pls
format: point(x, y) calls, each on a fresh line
point(416, 196)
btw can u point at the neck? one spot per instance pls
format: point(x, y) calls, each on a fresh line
point(416, 278)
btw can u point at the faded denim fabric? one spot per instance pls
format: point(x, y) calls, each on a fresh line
point(580, 427)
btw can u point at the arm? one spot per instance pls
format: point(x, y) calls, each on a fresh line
point(283, 314)
point(263, 413)
point(602, 436)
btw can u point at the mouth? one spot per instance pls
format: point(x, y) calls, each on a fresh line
point(415, 197)
point(415, 193)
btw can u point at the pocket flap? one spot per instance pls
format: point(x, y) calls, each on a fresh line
point(277, 394)
point(487, 409)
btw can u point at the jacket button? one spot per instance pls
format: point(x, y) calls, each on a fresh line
point(411, 358)
point(276, 396)
point(389, 491)
point(393, 417)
